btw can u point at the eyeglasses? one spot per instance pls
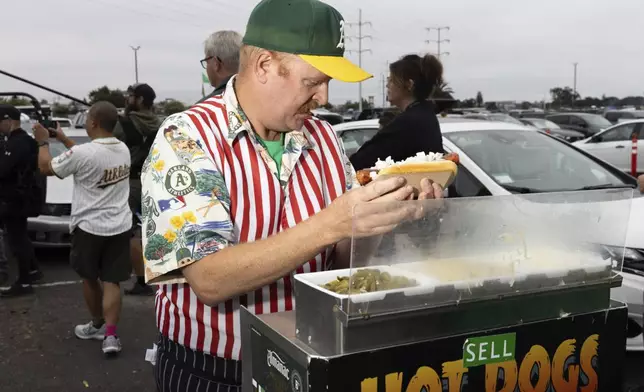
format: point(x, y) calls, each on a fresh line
point(204, 62)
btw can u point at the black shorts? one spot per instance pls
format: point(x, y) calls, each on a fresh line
point(98, 257)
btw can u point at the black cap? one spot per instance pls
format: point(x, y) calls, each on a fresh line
point(9, 112)
point(142, 90)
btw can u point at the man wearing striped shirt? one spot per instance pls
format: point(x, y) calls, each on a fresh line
point(245, 189)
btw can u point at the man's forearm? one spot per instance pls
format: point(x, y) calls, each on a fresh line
point(44, 160)
point(242, 268)
point(69, 143)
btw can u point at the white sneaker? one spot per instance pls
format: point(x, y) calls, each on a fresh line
point(89, 331)
point(111, 345)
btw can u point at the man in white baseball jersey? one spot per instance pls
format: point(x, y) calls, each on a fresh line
point(101, 219)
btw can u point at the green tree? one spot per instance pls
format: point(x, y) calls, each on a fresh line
point(563, 96)
point(104, 93)
point(443, 91)
point(479, 99)
point(525, 105)
point(60, 110)
point(172, 106)
point(468, 103)
point(73, 107)
point(15, 101)
point(44, 102)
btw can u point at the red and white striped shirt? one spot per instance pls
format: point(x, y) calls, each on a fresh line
point(209, 183)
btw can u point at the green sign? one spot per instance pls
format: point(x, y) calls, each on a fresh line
point(488, 349)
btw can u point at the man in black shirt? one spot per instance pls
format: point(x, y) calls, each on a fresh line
point(19, 196)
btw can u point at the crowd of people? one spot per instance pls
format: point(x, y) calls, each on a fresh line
point(222, 203)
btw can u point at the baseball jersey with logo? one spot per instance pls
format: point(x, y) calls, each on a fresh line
point(101, 171)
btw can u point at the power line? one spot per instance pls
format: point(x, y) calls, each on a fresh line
point(438, 41)
point(360, 50)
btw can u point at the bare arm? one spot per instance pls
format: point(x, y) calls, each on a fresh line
point(44, 155)
point(243, 268)
point(44, 161)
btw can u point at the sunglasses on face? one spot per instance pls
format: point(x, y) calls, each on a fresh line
point(204, 62)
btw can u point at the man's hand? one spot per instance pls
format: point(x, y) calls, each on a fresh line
point(640, 182)
point(372, 209)
point(60, 135)
point(41, 134)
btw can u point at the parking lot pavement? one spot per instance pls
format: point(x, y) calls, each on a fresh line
point(39, 352)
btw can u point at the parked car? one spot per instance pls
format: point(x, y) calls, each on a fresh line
point(553, 129)
point(617, 116)
point(614, 145)
point(498, 158)
point(493, 117)
point(586, 123)
point(51, 228)
point(330, 117)
point(79, 120)
point(64, 123)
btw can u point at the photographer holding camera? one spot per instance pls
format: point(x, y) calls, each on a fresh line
point(101, 220)
point(20, 197)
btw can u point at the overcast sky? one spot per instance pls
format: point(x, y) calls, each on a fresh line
point(508, 50)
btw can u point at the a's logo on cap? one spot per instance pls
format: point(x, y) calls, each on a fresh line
point(341, 43)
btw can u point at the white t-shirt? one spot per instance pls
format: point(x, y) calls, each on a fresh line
point(101, 171)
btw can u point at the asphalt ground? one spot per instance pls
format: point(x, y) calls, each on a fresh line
point(38, 348)
point(39, 352)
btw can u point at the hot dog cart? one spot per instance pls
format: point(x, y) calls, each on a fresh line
point(472, 294)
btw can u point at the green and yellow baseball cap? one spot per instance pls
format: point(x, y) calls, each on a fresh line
point(311, 29)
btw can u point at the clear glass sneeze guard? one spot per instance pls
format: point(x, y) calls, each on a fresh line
point(465, 249)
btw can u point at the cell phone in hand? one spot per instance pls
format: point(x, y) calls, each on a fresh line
point(49, 124)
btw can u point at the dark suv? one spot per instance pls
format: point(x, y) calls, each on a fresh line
point(586, 123)
point(614, 116)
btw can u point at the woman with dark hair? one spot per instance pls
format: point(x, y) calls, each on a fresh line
point(411, 82)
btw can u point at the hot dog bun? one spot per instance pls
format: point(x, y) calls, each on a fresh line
point(420, 167)
point(441, 172)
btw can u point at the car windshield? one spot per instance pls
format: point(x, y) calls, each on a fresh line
point(532, 161)
point(596, 120)
point(56, 148)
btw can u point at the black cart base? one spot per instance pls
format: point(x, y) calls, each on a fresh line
point(574, 353)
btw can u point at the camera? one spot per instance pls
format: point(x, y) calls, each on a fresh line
point(49, 124)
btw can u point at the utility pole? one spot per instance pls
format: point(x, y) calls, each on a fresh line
point(574, 84)
point(438, 41)
point(384, 85)
point(136, 62)
point(360, 50)
point(382, 80)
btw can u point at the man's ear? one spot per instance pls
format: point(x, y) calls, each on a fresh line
point(262, 65)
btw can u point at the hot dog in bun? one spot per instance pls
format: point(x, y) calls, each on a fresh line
point(440, 168)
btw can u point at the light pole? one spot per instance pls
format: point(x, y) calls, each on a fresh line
point(136, 62)
point(574, 84)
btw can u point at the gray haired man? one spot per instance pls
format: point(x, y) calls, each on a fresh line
point(221, 59)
